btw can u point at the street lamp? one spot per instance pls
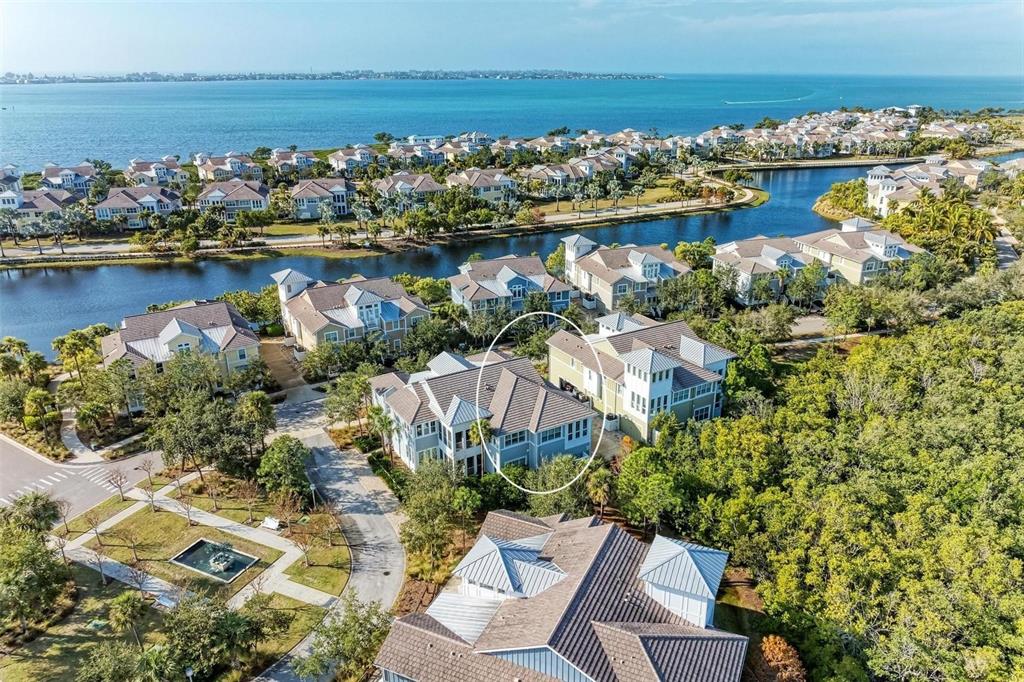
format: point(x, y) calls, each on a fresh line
point(189, 673)
point(312, 489)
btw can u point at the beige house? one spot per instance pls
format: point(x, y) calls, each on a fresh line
point(212, 328)
point(605, 275)
point(858, 251)
point(642, 368)
point(231, 165)
point(356, 309)
point(490, 184)
point(166, 171)
point(776, 259)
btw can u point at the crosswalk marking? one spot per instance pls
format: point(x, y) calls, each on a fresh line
point(4, 502)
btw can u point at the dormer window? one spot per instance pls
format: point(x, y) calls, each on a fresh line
point(651, 271)
point(518, 291)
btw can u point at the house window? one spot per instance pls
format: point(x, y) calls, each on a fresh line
point(513, 438)
point(621, 288)
point(425, 429)
point(550, 435)
point(159, 368)
point(390, 326)
point(518, 291)
point(680, 396)
point(578, 429)
point(425, 455)
point(702, 413)
point(184, 347)
point(638, 286)
point(518, 462)
point(242, 354)
point(331, 337)
point(638, 403)
point(703, 389)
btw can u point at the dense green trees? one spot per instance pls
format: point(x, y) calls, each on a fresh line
point(32, 576)
point(877, 500)
point(282, 468)
point(948, 227)
point(848, 198)
point(348, 642)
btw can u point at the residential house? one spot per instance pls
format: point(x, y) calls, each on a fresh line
point(166, 171)
point(506, 147)
point(235, 196)
point(639, 373)
point(430, 140)
point(558, 174)
point(136, 204)
point(415, 154)
point(775, 259)
point(355, 309)
point(486, 285)
point(606, 274)
point(232, 165)
point(858, 251)
point(453, 150)
point(308, 195)
point(553, 143)
point(34, 203)
point(78, 179)
point(889, 189)
point(490, 184)
point(10, 178)
point(977, 133)
point(435, 410)
point(212, 328)
point(547, 599)
point(350, 158)
point(288, 162)
point(410, 189)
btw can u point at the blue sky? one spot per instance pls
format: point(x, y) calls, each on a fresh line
point(671, 36)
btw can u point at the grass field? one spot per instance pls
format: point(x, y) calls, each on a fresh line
point(103, 511)
point(56, 655)
point(662, 192)
point(160, 536)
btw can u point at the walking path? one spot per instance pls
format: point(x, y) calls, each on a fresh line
point(273, 579)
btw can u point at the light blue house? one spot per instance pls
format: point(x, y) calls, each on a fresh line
point(434, 412)
point(505, 282)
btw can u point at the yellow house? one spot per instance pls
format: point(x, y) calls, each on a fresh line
point(642, 368)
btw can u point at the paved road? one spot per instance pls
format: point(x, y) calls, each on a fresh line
point(84, 486)
point(369, 516)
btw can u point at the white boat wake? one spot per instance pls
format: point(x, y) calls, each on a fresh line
point(771, 101)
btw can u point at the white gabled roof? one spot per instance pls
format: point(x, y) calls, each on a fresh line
point(463, 412)
point(513, 567)
point(176, 328)
point(648, 360)
point(684, 567)
point(289, 276)
point(446, 363)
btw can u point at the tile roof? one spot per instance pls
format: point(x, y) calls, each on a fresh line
point(143, 338)
point(135, 197)
point(487, 279)
point(611, 265)
point(597, 616)
point(328, 303)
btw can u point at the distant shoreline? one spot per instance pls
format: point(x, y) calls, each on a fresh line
point(188, 77)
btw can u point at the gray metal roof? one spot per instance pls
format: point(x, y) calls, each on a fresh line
point(464, 615)
point(648, 360)
point(684, 567)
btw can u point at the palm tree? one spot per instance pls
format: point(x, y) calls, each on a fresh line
point(599, 488)
point(594, 192)
point(559, 192)
point(8, 227)
point(383, 425)
point(480, 432)
point(34, 511)
point(13, 345)
point(126, 610)
point(637, 191)
point(33, 229)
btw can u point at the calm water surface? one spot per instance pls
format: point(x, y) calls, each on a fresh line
point(120, 121)
point(38, 304)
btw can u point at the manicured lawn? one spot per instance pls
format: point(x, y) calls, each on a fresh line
point(163, 535)
point(57, 654)
point(288, 229)
point(103, 511)
point(328, 568)
point(329, 565)
point(661, 192)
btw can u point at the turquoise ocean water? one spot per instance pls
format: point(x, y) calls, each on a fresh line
point(119, 121)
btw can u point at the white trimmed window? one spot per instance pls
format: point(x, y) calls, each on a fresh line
point(426, 455)
point(425, 429)
point(703, 389)
point(331, 337)
point(513, 438)
point(702, 413)
point(578, 429)
point(550, 435)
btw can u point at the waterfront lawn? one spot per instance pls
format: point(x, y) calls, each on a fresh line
point(162, 535)
point(660, 193)
point(59, 652)
point(103, 511)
